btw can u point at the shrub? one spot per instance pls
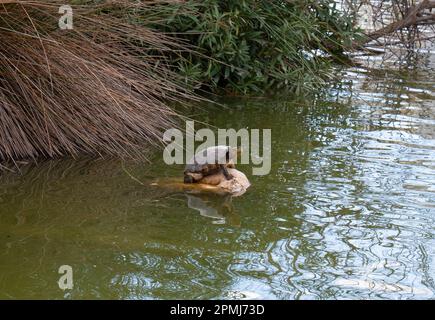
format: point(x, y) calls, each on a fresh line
point(255, 45)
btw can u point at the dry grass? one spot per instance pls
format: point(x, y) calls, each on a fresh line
point(100, 88)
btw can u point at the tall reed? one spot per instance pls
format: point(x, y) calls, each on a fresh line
point(101, 88)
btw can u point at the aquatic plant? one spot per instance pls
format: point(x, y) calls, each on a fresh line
point(100, 88)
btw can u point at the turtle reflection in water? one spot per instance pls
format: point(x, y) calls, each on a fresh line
point(217, 207)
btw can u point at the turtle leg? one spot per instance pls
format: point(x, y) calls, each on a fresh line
point(227, 175)
point(192, 177)
point(231, 165)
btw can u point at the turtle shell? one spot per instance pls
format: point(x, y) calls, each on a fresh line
point(208, 162)
point(209, 157)
point(204, 169)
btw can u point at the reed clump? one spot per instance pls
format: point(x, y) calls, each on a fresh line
point(101, 88)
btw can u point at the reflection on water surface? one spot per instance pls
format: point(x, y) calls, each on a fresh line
point(348, 210)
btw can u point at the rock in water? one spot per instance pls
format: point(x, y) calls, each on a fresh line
point(235, 186)
point(215, 183)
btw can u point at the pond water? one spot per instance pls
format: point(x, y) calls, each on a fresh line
point(347, 211)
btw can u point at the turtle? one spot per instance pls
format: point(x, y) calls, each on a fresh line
point(210, 161)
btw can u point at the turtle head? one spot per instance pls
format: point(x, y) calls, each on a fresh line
point(233, 153)
point(239, 151)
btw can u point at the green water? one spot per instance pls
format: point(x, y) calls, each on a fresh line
point(347, 212)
